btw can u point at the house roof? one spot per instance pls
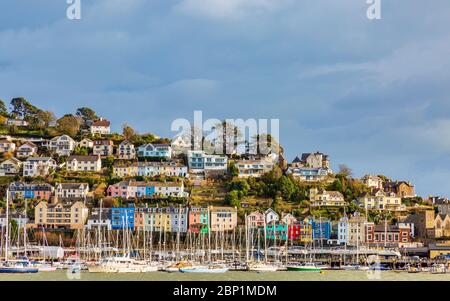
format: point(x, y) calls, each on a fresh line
point(101, 122)
point(73, 185)
point(27, 143)
point(83, 158)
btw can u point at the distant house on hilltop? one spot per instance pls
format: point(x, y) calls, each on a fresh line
point(101, 126)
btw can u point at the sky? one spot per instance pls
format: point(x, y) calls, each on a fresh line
point(372, 94)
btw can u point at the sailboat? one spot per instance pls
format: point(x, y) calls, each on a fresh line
point(260, 266)
point(21, 265)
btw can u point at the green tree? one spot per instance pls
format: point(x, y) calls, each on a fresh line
point(22, 108)
point(46, 118)
point(3, 109)
point(234, 171)
point(128, 132)
point(69, 125)
point(88, 116)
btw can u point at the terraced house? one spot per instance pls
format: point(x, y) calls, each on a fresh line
point(155, 151)
point(38, 166)
point(84, 164)
point(62, 145)
point(37, 191)
point(223, 218)
point(61, 215)
point(71, 190)
point(198, 220)
point(170, 168)
point(134, 189)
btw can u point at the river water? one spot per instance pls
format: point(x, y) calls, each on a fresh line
point(62, 275)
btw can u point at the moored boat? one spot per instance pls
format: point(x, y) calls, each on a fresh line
point(307, 267)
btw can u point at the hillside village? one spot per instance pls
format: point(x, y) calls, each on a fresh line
point(70, 173)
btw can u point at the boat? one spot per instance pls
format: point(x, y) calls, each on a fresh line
point(262, 267)
point(174, 268)
point(354, 267)
point(213, 269)
point(121, 264)
point(306, 267)
point(47, 268)
point(18, 266)
point(438, 269)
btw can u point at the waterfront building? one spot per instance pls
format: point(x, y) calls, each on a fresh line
point(300, 232)
point(37, 191)
point(99, 218)
point(198, 220)
point(222, 218)
point(389, 235)
point(442, 226)
point(71, 190)
point(255, 220)
point(324, 198)
point(122, 218)
point(62, 145)
point(276, 231)
point(38, 166)
point(20, 219)
point(66, 215)
point(271, 216)
point(351, 231)
point(84, 164)
point(288, 219)
point(321, 229)
point(155, 151)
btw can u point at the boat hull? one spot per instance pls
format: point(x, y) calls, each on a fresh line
point(12, 270)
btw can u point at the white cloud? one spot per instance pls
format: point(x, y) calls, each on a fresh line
point(229, 9)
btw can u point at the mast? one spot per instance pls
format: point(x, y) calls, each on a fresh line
point(7, 226)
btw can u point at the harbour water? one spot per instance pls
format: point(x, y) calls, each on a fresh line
point(62, 275)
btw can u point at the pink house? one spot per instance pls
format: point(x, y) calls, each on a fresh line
point(119, 190)
point(255, 219)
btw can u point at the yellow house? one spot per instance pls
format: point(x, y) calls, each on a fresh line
point(67, 215)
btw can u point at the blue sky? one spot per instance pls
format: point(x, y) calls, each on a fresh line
point(374, 95)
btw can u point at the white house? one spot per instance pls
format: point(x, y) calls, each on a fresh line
point(253, 168)
point(100, 218)
point(86, 143)
point(17, 122)
point(199, 162)
point(28, 149)
point(7, 146)
point(38, 166)
point(271, 216)
point(84, 163)
point(126, 151)
point(72, 190)
point(373, 181)
point(62, 145)
point(101, 126)
point(10, 167)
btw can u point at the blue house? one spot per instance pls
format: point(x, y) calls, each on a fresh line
point(321, 230)
point(122, 218)
point(155, 151)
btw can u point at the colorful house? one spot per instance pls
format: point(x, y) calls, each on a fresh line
point(300, 232)
point(198, 220)
point(155, 151)
point(41, 191)
point(276, 231)
point(321, 229)
point(122, 218)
